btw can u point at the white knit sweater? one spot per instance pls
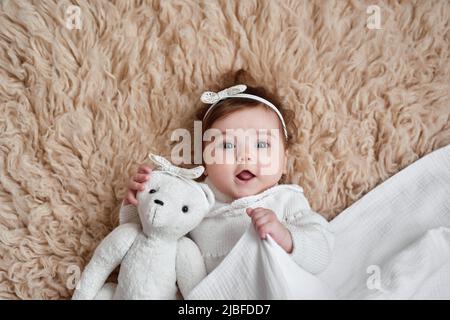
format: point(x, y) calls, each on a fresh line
point(227, 221)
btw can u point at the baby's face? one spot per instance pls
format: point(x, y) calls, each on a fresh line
point(248, 155)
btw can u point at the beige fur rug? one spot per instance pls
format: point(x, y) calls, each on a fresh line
point(81, 108)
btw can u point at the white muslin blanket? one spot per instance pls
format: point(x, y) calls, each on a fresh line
point(398, 233)
point(258, 269)
point(402, 276)
point(393, 243)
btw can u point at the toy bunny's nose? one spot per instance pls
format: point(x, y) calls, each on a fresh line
point(158, 202)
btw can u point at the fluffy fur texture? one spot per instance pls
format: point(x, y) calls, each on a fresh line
point(80, 109)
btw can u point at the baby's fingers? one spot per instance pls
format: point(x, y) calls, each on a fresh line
point(130, 198)
point(145, 169)
point(259, 221)
point(141, 177)
point(263, 230)
point(257, 214)
point(136, 186)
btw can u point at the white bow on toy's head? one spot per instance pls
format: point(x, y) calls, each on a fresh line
point(164, 165)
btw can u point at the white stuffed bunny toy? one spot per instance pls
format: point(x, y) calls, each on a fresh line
point(153, 253)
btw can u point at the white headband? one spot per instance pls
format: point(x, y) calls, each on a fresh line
point(213, 98)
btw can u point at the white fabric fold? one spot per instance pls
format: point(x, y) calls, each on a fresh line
point(403, 275)
point(373, 232)
point(259, 270)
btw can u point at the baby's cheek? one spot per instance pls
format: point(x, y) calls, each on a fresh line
point(212, 156)
point(270, 164)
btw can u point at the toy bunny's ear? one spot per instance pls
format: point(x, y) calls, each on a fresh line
point(165, 165)
point(208, 193)
point(160, 162)
point(193, 173)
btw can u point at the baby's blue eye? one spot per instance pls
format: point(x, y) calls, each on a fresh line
point(228, 145)
point(262, 144)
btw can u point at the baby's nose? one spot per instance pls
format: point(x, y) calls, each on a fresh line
point(244, 157)
point(157, 201)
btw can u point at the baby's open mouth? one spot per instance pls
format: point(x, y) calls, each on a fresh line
point(245, 175)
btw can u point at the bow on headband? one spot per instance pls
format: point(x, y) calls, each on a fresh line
point(210, 97)
point(164, 165)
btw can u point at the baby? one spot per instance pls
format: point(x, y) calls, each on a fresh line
point(244, 164)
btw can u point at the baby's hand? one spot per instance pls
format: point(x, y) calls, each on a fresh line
point(137, 184)
point(266, 222)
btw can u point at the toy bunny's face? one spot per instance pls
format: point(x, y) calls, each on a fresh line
point(171, 207)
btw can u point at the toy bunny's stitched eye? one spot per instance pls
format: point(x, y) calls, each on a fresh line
point(152, 191)
point(185, 209)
